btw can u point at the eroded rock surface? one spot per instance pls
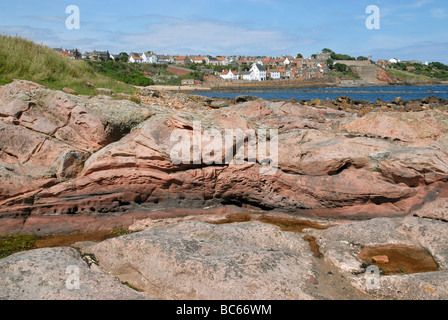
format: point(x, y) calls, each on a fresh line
point(58, 274)
point(79, 162)
point(198, 260)
point(341, 246)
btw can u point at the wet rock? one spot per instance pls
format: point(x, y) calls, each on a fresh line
point(398, 101)
point(381, 259)
point(342, 245)
point(244, 98)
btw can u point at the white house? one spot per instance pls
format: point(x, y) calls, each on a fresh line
point(199, 60)
point(245, 75)
point(163, 59)
point(135, 58)
point(148, 57)
point(258, 72)
point(275, 73)
point(229, 75)
point(223, 61)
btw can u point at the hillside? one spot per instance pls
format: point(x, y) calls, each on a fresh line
point(26, 60)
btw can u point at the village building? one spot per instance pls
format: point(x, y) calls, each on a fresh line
point(199, 60)
point(222, 61)
point(135, 58)
point(229, 75)
point(149, 57)
point(213, 61)
point(183, 60)
point(164, 59)
point(274, 73)
point(189, 82)
point(258, 72)
point(382, 63)
point(245, 75)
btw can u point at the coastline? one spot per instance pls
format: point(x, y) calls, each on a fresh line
point(282, 84)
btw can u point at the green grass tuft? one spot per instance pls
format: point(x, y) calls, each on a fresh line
point(10, 244)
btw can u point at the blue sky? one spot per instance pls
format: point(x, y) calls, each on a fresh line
point(409, 29)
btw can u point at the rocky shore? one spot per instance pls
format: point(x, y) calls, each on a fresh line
point(352, 176)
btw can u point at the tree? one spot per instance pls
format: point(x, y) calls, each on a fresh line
point(77, 54)
point(192, 66)
point(338, 56)
point(196, 75)
point(439, 65)
point(340, 67)
point(124, 57)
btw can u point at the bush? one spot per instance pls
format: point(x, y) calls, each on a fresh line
point(337, 56)
point(340, 67)
point(196, 75)
point(120, 71)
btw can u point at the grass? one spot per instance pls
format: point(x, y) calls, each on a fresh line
point(120, 231)
point(406, 75)
point(24, 59)
point(345, 75)
point(434, 70)
point(122, 71)
point(11, 244)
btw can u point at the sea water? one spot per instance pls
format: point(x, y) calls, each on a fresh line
point(387, 94)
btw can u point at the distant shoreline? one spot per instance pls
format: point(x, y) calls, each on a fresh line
point(371, 93)
point(271, 85)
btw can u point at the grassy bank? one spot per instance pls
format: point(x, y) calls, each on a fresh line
point(407, 76)
point(24, 59)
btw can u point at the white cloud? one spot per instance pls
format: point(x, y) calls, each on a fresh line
point(418, 4)
point(404, 50)
point(39, 35)
point(47, 18)
point(200, 35)
point(439, 13)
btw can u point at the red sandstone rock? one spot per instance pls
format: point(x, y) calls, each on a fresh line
point(380, 259)
point(56, 160)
